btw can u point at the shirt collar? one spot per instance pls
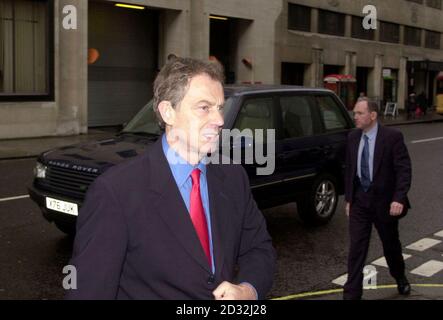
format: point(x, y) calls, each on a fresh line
point(181, 169)
point(372, 133)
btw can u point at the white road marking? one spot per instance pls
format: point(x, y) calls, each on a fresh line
point(427, 140)
point(382, 261)
point(341, 281)
point(423, 244)
point(14, 198)
point(428, 269)
point(439, 234)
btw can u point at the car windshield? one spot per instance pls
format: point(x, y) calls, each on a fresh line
point(145, 121)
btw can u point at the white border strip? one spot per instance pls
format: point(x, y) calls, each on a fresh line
point(14, 198)
point(381, 262)
point(423, 244)
point(426, 140)
point(439, 234)
point(428, 269)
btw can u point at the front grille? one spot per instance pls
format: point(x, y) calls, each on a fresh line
point(68, 182)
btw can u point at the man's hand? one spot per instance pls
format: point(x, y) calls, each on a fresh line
point(396, 209)
point(347, 209)
point(229, 291)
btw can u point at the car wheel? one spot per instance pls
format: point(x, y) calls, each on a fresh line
point(65, 228)
point(318, 207)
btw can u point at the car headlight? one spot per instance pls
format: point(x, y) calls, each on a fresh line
point(40, 170)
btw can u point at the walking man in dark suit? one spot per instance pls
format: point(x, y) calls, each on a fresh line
point(377, 180)
point(165, 225)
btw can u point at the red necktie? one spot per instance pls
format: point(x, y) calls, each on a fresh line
point(198, 214)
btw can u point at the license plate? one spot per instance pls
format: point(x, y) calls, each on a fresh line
point(62, 206)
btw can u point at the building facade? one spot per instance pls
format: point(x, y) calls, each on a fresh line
point(66, 65)
point(402, 55)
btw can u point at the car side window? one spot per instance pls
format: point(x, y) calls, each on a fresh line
point(256, 113)
point(333, 118)
point(297, 116)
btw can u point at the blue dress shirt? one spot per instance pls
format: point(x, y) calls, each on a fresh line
point(372, 137)
point(181, 170)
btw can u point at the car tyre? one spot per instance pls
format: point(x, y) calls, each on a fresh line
point(319, 206)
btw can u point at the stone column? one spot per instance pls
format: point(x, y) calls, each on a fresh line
point(375, 79)
point(314, 20)
point(423, 38)
point(174, 34)
point(402, 34)
point(351, 63)
point(348, 26)
point(314, 72)
point(377, 32)
point(200, 33)
point(402, 83)
point(71, 41)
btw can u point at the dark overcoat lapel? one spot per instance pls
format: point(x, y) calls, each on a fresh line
point(379, 148)
point(170, 205)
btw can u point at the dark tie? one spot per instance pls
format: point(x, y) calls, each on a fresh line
point(198, 214)
point(365, 174)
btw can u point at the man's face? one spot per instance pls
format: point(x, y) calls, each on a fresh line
point(362, 117)
point(196, 122)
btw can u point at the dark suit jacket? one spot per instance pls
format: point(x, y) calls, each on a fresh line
point(135, 238)
point(392, 172)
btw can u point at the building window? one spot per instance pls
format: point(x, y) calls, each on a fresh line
point(292, 73)
point(299, 17)
point(359, 32)
point(389, 32)
point(436, 4)
point(24, 48)
point(412, 36)
point(331, 23)
point(433, 39)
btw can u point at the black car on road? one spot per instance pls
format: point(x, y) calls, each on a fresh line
point(309, 127)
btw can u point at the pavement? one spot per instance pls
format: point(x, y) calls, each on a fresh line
point(32, 147)
point(401, 119)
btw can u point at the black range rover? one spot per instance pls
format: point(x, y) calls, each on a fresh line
point(311, 127)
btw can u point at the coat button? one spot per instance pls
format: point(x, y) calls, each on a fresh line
point(211, 279)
